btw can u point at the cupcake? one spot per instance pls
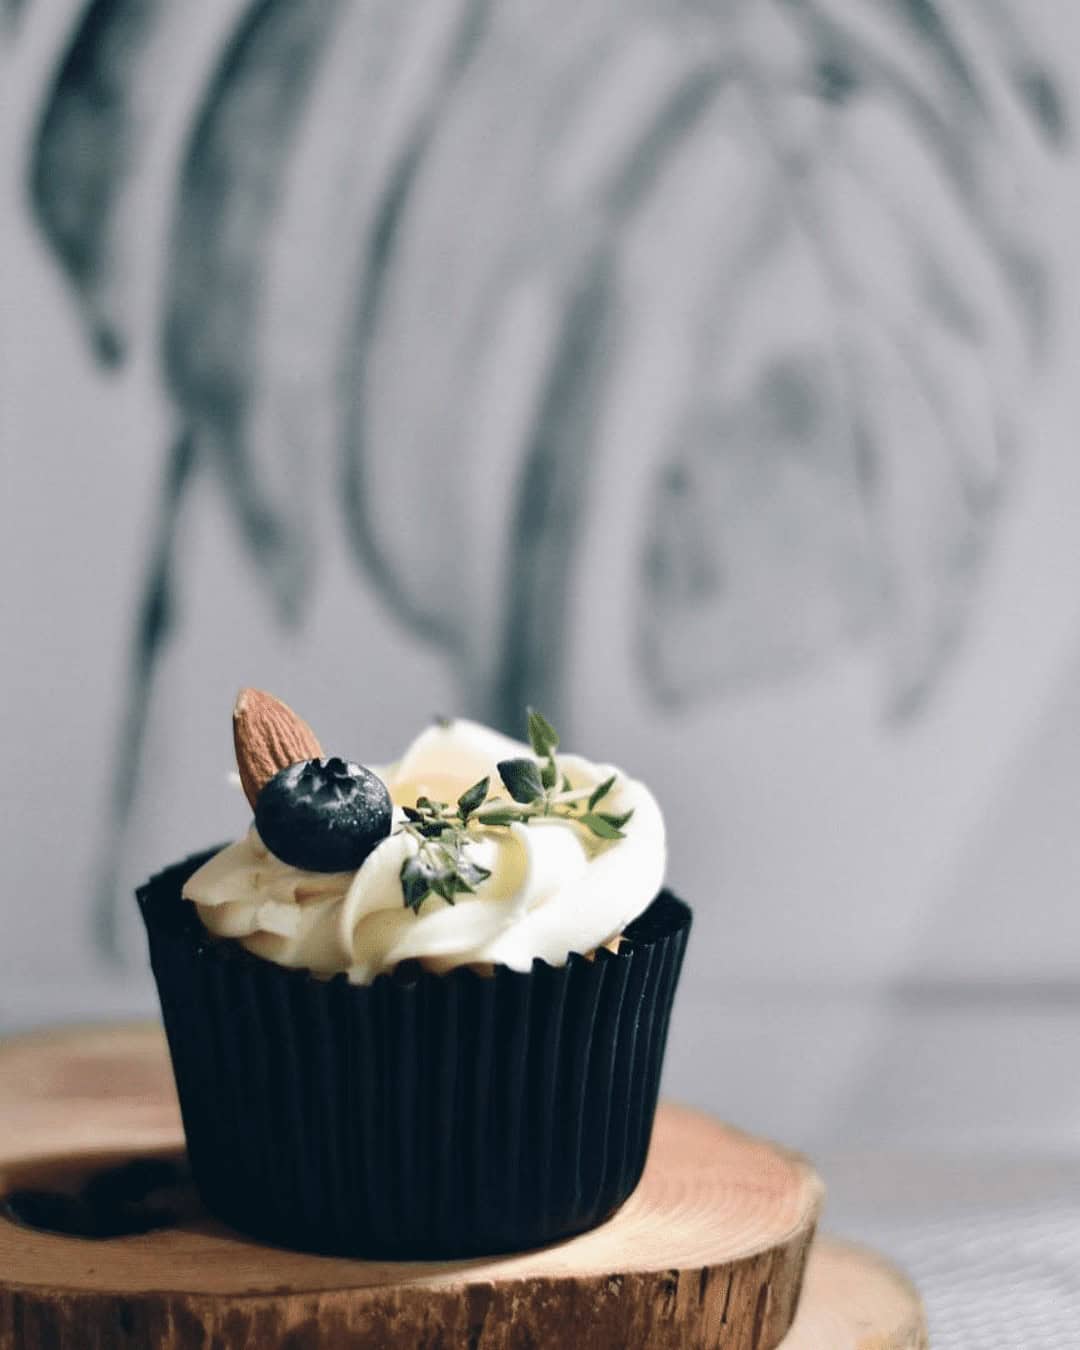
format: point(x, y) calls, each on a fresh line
point(419, 1011)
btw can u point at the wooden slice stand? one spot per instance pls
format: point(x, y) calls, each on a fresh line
point(711, 1250)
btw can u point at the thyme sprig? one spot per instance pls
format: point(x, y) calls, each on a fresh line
point(537, 789)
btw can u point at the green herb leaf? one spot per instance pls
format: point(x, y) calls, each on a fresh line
point(416, 880)
point(502, 816)
point(522, 779)
point(472, 874)
point(617, 820)
point(601, 791)
point(473, 797)
point(444, 884)
point(549, 774)
point(412, 814)
point(601, 827)
point(567, 786)
point(543, 737)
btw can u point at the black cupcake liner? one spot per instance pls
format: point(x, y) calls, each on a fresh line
point(423, 1115)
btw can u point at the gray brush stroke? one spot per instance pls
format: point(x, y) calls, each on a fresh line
point(230, 185)
point(553, 485)
point(84, 151)
point(1034, 82)
point(550, 503)
point(925, 20)
point(358, 508)
point(867, 66)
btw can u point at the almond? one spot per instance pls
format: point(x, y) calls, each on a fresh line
point(268, 737)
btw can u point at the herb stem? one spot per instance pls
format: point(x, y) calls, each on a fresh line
point(442, 833)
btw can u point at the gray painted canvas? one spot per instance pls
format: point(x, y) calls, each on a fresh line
point(417, 253)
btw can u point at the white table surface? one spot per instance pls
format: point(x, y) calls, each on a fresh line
point(993, 1243)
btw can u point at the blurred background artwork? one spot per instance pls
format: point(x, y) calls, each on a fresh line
point(699, 372)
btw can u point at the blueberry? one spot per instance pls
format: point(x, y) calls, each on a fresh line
point(324, 815)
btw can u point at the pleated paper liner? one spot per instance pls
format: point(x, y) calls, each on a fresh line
point(424, 1115)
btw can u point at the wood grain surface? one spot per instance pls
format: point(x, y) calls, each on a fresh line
point(853, 1300)
point(709, 1251)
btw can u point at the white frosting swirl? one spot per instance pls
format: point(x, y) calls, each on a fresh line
point(554, 888)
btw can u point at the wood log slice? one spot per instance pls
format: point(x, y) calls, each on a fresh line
point(853, 1300)
point(710, 1250)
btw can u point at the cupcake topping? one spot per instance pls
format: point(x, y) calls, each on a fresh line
point(323, 815)
point(472, 849)
point(267, 736)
